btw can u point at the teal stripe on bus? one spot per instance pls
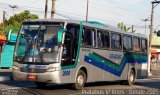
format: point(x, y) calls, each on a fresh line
point(112, 67)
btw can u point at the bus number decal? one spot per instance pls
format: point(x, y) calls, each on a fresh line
point(66, 73)
point(115, 56)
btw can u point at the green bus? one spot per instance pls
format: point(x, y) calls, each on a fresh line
point(7, 45)
point(77, 52)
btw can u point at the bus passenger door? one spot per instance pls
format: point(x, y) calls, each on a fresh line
point(69, 53)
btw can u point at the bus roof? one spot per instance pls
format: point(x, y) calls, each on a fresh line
point(89, 24)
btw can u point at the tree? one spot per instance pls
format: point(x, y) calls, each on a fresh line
point(16, 20)
point(123, 27)
point(158, 33)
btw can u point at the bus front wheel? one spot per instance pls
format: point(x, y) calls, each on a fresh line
point(80, 80)
point(40, 84)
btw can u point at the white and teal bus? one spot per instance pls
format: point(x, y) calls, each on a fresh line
point(76, 52)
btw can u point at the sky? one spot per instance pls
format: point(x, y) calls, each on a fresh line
point(112, 12)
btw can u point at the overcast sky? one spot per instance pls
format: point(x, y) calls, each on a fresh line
point(106, 11)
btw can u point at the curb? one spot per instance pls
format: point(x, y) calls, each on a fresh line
point(150, 74)
point(4, 78)
point(5, 75)
point(154, 76)
point(5, 70)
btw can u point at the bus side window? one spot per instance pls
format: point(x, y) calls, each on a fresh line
point(144, 45)
point(103, 39)
point(127, 43)
point(89, 37)
point(116, 41)
point(99, 39)
point(136, 44)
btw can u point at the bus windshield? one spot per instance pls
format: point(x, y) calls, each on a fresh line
point(37, 43)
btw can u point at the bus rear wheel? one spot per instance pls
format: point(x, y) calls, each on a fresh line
point(40, 84)
point(131, 78)
point(80, 80)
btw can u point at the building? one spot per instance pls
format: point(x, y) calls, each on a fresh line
point(155, 52)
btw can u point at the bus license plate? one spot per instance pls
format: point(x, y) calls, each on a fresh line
point(32, 77)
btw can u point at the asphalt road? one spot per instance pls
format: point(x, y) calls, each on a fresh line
point(150, 86)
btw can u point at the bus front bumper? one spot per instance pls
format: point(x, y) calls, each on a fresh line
point(47, 77)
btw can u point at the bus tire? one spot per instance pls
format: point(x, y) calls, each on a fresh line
point(131, 78)
point(40, 84)
point(80, 80)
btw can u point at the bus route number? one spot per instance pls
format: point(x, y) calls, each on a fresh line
point(66, 73)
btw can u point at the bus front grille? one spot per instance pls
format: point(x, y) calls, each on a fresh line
point(32, 70)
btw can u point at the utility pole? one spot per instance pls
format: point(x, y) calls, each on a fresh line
point(53, 9)
point(151, 32)
point(145, 20)
point(132, 28)
point(13, 7)
point(87, 10)
point(4, 13)
point(151, 25)
point(46, 9)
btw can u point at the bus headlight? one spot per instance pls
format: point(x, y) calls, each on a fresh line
point(16, 68)
point(51, 69)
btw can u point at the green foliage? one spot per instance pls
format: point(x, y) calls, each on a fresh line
point(16, 20)
point(123, 27)
point(158, 33)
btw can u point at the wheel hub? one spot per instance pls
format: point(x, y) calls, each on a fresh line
point(80, 80)
point(131, 78)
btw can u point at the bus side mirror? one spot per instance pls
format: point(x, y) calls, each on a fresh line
point(11, 37)
point(60, 35)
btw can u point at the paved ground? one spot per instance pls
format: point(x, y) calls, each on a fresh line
point(155, 72)
point(150, 86)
